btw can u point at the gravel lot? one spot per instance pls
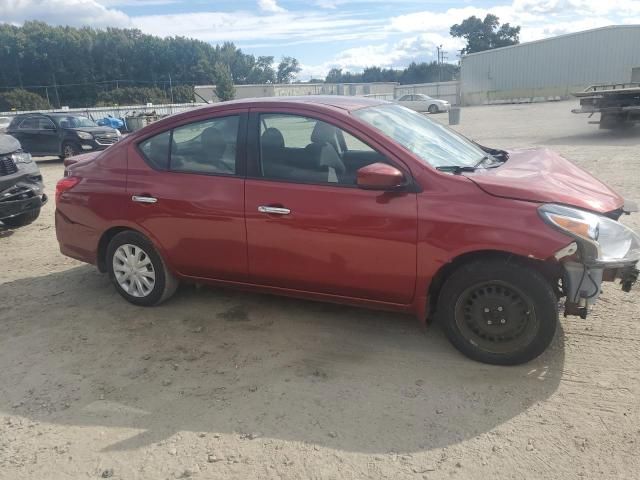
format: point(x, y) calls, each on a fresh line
point(221, 384)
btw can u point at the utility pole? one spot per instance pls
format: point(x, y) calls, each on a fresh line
point(171, 89)
point(55, 86)
point(441, 58)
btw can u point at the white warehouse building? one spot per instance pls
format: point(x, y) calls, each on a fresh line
point(552, 68)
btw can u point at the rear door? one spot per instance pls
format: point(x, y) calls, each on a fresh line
point(25, 131)
point(310, 228)
point(186, 191)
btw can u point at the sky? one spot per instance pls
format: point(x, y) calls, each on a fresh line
point(323, 34)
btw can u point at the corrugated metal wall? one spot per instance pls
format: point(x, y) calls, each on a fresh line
point(551, 68)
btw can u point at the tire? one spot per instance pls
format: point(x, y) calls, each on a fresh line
point(499, 312)
point(128, 245)
point(433, 109)
point(69, 150)
point(23, 219)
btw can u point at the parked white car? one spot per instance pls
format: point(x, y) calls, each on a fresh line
point(4, 123)
point(424, 103)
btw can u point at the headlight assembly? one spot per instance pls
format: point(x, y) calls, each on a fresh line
point(85, 135)
point(21, 157)
point(602, 240)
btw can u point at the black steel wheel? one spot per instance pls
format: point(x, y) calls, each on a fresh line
point(498, 311)
point(496, 316)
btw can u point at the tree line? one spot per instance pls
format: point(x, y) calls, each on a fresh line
point(84, 66)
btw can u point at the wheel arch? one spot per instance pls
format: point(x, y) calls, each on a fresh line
point(103, 243)
point(550, 269)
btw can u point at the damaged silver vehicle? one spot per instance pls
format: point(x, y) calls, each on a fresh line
point(21, 187)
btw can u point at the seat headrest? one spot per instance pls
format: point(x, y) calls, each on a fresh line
point(272, 138)
point(213, 142)
point(323, 133)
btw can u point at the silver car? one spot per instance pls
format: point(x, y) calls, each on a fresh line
point(4, 123)
point(424, 103)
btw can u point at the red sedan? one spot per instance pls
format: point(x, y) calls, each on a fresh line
point(355, 201)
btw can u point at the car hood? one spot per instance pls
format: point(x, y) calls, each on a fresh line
point(541, 175)
point(8, 144)
point(94, 130)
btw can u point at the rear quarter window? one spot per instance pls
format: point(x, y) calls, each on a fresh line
point(156, 150)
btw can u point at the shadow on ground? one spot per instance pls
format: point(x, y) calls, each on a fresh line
point(616, 138)
point(73, 352)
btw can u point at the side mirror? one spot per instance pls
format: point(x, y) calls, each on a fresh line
point(380, 176)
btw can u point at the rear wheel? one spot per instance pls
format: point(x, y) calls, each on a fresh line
point(433, 109)
point(499, 312)
point(22, 220)
point(137, 270)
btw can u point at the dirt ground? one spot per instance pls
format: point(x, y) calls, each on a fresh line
point(221, 384)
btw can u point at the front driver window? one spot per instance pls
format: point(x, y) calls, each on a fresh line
point(305, 150)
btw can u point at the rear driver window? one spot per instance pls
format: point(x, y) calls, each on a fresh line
point(208, 146)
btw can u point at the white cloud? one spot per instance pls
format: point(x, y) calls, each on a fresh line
point(244, 26)
point(63, 12)
point(270, 6)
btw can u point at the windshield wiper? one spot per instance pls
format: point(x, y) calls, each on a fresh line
point(481, 161)
point(456, 169)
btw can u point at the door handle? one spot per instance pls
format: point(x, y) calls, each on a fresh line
point(274, 210)
point(144, 199)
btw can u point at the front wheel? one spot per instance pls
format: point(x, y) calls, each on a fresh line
point(433, 109)
point(69, 150)
point(137, 270)
point(499, 312)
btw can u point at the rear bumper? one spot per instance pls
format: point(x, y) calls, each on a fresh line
point(76, 240)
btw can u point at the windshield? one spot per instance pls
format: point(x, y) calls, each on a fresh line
point(434, 143)
point(74, 122)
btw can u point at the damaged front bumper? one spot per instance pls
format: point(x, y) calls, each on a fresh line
point(605, 250)
point(22, 191)
point(582, 283)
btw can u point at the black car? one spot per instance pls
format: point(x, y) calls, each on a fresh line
point(60, 134)
point(21, 188)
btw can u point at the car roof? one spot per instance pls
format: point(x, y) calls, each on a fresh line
point(342, 102)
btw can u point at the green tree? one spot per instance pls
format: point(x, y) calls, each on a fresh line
point(287, 70)
point(20, 99)
point(224, 83)
point(81, 66)
point(485, 34)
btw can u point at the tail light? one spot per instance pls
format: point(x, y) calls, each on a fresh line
point(64, 184)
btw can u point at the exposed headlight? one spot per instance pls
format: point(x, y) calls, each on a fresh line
point(85, 135)
point(21, 157)
point(602, 239)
